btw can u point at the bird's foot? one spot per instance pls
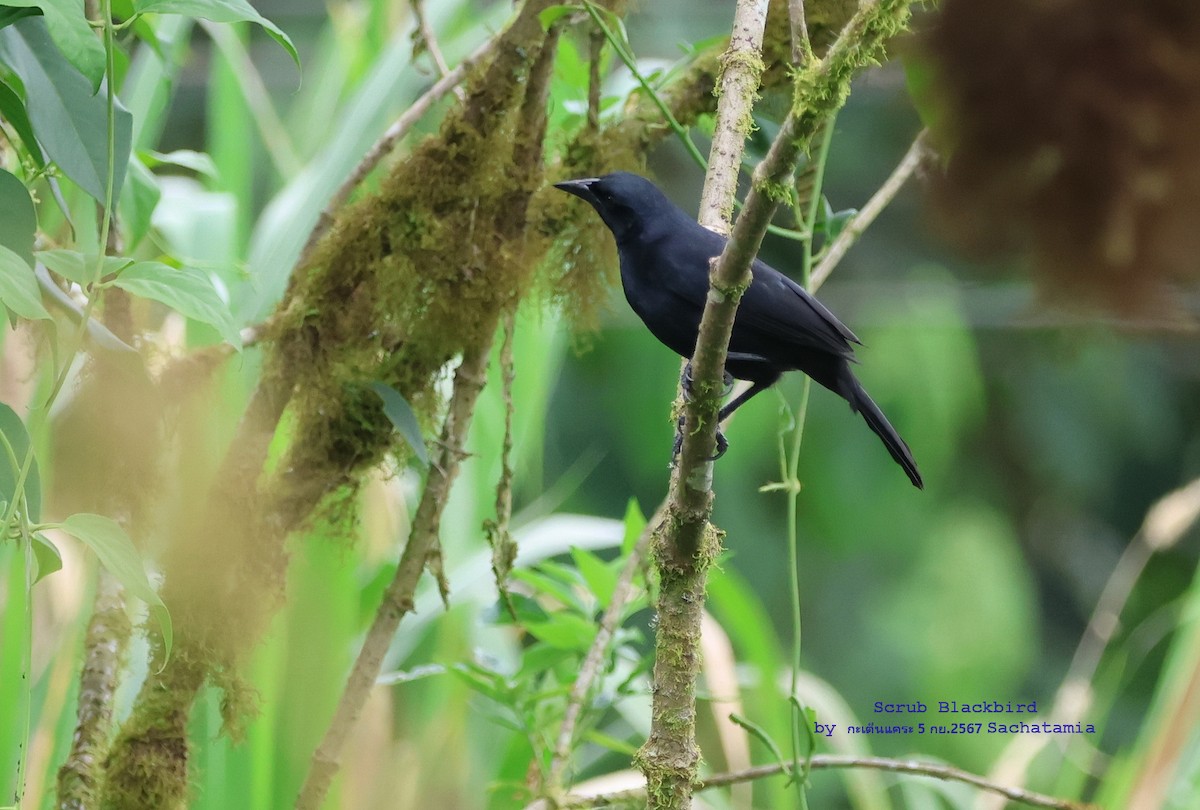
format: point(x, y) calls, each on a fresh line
point(686, 380)
point(722, 442)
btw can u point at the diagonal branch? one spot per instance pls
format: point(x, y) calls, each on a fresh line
point(879, 200)
point(388, 140)
point(398, 598)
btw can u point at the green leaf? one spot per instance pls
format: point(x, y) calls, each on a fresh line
point(138, 199)
point(401, 415)
point(47, 557)
point(758, 731)
point(635, 524)
point(18, 220)
point(611, 743)
point(920, 76)
point(564, 631)
point(186, 290)
point(199, 162)
point(222, 11)
point(12, 110)
point(601, 580)
point(118, 554)
point(72, 34)
point(550, 586)
point(18, 439)
point(70, 121)
point(75, 266)
point(483, 681)
point(18, 287)
point(8, 16)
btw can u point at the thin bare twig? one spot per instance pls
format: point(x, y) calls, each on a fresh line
point(830, 761)
point(863, 219)
point(802, 52)
point(431, 43)
point(499, 537)
point(387, 141)
point(398, 598)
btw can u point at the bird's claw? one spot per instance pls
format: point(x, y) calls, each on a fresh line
point(722, 442)
point(686, 380)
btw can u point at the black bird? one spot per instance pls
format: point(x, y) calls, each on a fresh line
point(779, 326)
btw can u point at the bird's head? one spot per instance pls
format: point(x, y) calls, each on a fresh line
point(624, 201)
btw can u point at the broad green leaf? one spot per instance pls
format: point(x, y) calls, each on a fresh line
point(138, 200)
point(8, 16)
point(47, 557)
point(222, 11)
point(118, 554)
point(547, 585)
point(401, 415)
point(18, 287)
point(600, 578)
point(619, 746)
point(75, 266)
point(69, 120)
point(17, 438)
point(186, 290)
point(18, 220)
point(564, 631)
point(12, 110)
point(70, 30)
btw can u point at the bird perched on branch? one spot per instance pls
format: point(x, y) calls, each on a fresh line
point(779, 327)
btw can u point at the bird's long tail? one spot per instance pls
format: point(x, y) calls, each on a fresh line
point(861, 402)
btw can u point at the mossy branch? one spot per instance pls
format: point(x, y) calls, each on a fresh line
point(423, 550)
point(687, 541)
point(230, 576)
point(104, 647)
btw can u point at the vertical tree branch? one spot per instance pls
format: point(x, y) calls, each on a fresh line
point(688, 542)
point(104, 648)
point(685, 543)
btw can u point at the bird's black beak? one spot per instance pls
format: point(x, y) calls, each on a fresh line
point(581, 188)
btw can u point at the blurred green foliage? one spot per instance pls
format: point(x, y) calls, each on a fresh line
point(1044, 438)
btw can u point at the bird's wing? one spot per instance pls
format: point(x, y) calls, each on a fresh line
point(777, 308)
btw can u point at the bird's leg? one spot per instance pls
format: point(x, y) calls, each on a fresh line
point(741, 399)
point(722, 442)
point(685, 384)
